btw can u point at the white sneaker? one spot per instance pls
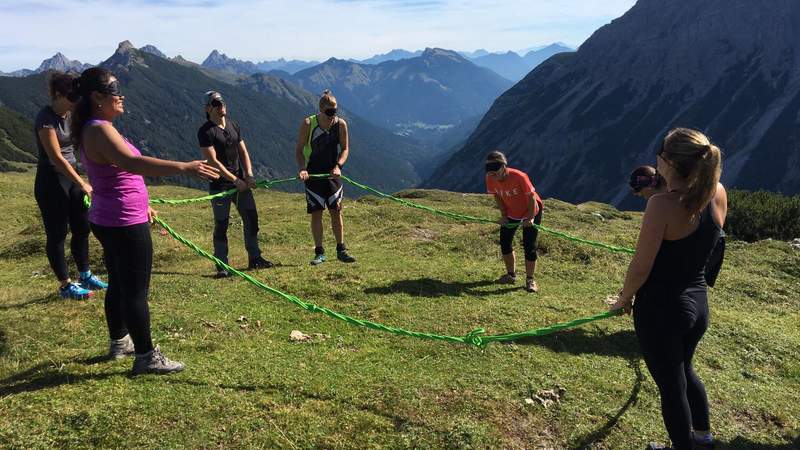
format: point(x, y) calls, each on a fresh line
point(155, 362)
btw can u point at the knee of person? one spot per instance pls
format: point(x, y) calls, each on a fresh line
point(220, 227)
point(530, 255)
point(506, 249)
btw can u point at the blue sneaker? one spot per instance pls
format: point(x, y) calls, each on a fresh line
point(74, 291)
point(319, 258)
point(92, 283)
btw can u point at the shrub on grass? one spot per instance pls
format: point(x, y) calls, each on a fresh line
point(754, 216)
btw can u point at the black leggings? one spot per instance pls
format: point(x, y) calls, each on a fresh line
point(128, 253)
point(529, 235)
point(669, 329)
point(61, 204)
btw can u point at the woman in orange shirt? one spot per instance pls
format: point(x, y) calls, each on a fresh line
point(518, 203)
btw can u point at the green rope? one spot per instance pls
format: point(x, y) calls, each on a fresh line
point(474, 337)
point(451, 215)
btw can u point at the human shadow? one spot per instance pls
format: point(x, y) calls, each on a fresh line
point(740, 443)
point(49, 298)
point(605, 429)
point(44, 376)
point(430, 288)
point(579, 341)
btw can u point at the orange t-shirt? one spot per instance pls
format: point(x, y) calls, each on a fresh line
point(514, 192)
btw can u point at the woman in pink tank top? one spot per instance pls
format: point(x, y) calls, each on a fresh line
point(120, 216)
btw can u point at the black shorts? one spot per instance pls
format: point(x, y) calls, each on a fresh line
point(324, 193)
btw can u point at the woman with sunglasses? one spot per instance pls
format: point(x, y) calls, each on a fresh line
point(323, 146)
point(59, 191)
point(519, 203)
point(120, 216)
point(680, 229)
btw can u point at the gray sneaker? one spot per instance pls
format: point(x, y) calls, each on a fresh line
point(120, 348)
point(155, 362)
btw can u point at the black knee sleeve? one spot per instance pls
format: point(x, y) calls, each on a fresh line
point(221, 228)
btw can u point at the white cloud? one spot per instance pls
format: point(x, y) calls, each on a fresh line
point(89, 30)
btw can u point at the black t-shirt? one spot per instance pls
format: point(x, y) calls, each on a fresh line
point(48, 119)
point(226, 145)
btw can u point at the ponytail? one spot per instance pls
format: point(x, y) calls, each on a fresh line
point(698, 161)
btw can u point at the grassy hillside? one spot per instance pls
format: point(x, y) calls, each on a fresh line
point(16, 141)
point(247, 385)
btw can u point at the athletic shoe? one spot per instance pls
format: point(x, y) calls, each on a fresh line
point(155, 362)
point(507, 279)
point(259, 263)
point(120, 348)
point(343, 256)
point(531, 285)
point(318, 259)
point(222, 273)
point(706, 442)
point(93, 283)
point(74, 291)
point(654, 446)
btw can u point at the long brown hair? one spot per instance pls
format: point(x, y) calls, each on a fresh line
point(692, 155)
point(90, 80)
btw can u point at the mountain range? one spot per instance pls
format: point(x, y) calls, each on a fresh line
point(419, 96)
point(164, 110)
point(580, 122)
point(56, 62)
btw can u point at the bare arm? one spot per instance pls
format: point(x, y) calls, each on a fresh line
point(245, 157)
point(47, 136)
point(302, 139)
point(210, 155)
point(719, 208)
point(650, 237)
point(104, 145)
point(344, 142)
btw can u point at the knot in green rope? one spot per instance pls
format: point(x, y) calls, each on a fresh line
point(474, 337)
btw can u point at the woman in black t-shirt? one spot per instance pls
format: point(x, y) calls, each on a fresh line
point(59, 191)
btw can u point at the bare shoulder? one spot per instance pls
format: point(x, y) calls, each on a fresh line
point(663, 204)
point(342, 123)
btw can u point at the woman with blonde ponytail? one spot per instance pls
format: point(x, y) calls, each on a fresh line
point(680, 229)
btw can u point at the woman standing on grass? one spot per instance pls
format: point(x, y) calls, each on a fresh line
point(680, 229)
point(120, 216)
point(59, 191)
point(518, 203)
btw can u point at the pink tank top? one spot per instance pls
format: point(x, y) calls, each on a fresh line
point(119, 198)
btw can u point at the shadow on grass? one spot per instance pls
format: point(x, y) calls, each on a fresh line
point(46, 376)
point(430, 288)
point(604, 430)
point(3, 343)
point(579, 341)
point(49, 298)
point(740, 443)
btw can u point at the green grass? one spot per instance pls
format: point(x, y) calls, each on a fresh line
point(246, 385)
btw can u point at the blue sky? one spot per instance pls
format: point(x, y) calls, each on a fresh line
point(89, 30)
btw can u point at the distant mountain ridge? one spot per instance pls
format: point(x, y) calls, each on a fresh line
point(581, 121)
point(433, 91)
point(164, 110)
point(55, 62)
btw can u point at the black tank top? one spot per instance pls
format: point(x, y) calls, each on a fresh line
point(324, 149)
point(680, 264)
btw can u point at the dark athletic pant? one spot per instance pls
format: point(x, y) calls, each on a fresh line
point(669, 329)
point(61, 204)
point(529, 235)
point(128, 253)
point(246, 205)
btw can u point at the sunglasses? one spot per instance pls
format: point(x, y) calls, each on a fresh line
point(217, 103)
point(330, 112)
point(113, 88)
point(493, 166)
